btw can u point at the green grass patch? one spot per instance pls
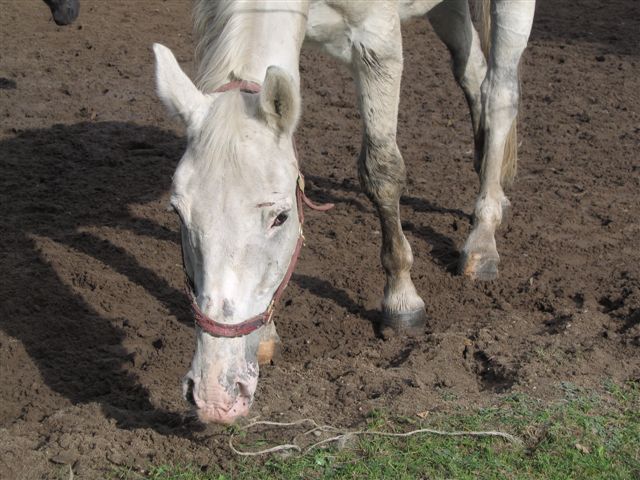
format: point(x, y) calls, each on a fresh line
point(586, 435)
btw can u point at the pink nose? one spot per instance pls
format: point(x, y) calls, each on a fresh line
point(213, 414)
point(218, 406)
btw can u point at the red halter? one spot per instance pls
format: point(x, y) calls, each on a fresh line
point(218, 329)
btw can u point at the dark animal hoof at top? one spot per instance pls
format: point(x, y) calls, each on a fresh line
point(64, 11)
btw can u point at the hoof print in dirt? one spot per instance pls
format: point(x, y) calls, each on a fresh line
point(492, 374)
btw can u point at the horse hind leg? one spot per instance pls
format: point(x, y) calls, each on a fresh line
point(377, 66)
point(451, 20)
point(511, 25)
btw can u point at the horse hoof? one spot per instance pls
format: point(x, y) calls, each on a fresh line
point(478, 267)
point(64, 11)
point(404, 321)
point(268, 351)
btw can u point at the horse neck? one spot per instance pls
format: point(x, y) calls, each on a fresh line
point(240, 40)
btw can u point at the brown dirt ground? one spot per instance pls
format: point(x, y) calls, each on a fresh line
point(96, 333)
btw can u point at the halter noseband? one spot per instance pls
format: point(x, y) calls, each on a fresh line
point(246, 327)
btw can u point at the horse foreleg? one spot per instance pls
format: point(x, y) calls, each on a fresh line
point(511, 24)
point(451, 20)
point(377, 65)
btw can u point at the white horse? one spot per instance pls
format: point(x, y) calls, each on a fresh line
point(237, 184)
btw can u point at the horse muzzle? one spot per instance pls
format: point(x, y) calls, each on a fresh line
point(220, 402)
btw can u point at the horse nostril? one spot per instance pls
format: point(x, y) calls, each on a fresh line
point(188, 393)
point(243, 389)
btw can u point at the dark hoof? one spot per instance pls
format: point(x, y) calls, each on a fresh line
point(403, 321)
point(478, 267)
point(64, 11)
point(269, 351)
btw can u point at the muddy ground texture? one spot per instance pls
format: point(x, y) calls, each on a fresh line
point(96, 332)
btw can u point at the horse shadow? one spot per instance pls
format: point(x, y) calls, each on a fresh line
point(58, 184)
point(443, 249)
point(325, 289)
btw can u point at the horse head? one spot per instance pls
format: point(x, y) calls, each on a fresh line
point(235, 193)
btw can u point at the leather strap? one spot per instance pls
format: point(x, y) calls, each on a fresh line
point(246, 327)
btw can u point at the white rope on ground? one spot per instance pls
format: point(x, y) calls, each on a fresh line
point(346, 435)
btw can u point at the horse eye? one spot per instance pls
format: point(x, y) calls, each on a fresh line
point(280, 219)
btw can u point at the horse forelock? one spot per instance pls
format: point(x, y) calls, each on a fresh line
point(222, 41)
point(221, 150)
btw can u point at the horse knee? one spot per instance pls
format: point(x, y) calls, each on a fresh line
point(381, 171)
point(501, 90)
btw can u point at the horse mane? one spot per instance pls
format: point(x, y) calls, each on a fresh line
point(221, 32)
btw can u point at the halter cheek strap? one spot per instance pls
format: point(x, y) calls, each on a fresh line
point(246, 327)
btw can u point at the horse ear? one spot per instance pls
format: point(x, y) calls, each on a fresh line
point(175, 89)
point(280, 100)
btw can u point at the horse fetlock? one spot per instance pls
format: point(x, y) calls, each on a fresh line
point(397, 260)
point(402, 302)
point(489, 210)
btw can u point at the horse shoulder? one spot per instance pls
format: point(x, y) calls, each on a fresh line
point(338, 25)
